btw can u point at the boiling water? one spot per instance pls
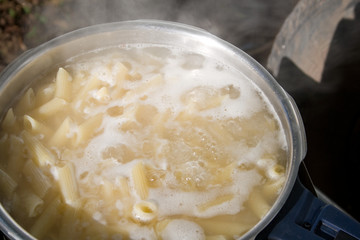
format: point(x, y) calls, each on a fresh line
point(158, 143)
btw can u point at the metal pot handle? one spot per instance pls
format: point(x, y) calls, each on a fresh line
point(304, 216)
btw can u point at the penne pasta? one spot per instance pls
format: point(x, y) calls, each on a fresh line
point(90, 206)
point(9, 120)
point(219, 133)
point(258, 204)
point(159, 120)
point(7, 185)
point(46, 220)
point(39, 182)
point(26, 103)
point(16, 158)
point(144, 211)
point(68, 228)
point(63, 85)
point(62, 134)
point(45, 94)
point(139, 91)
point(35, 127)
point(218, 227)
point(109, 192)
point(50, 108)
point(17, 207)
point(223, 174)
point(124, 186)
point(4, 147)
point(272, 189)
point(120, 71)
point(68, 184)
point(140, 181)
point(202, 98)
point(161, 225)
point(40, 154)
point(217, 201)
point(86, 129)
point(91, 84)
point(216, 237)
point(102, 95)
point(32, 203)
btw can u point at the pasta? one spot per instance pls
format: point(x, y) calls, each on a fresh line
point(26, 103)
point(144, 211)
point(40, 183)
point(9, 120)
point(258, 204)
point(41, 155)
point(224, 174)
point(93, 83)
point(68, 229)
point(4, 145)
point(46, 220)
point(217, 201)
point(102, 95)
point(68, 185)
point(32, 203)
point(216, 237)
point(276, 171)
point(140, 181)
point(35, 127)
point(272, 189)
point(50, 108)
point(202, 98)
point(216, 227)
point(153, 82)
point(7, 185)
point(16, 159)
point(136, 144)
point(124, 187)
point(44, 94)
point(121, 72)
point(63, 85)
point(87, 129)
point(61, 136)
point(110, 192)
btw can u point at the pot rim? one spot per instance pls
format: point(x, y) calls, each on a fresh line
point(293, 118)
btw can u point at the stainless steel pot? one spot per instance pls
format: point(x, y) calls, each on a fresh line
point(49, 56)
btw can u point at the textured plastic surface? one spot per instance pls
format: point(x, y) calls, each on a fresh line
point(304, 216)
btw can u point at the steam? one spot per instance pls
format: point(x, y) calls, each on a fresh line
point(250, 25)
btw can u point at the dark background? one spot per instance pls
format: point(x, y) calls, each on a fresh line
point(330, 107)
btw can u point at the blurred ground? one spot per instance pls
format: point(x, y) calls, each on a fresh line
point(250, 25)
point(15, 20)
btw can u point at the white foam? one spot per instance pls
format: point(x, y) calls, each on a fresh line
point(97, 216)
point(142, 233)
point(179, 80)
point(179, 229)
point(176, 202)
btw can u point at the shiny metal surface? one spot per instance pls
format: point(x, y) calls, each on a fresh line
point(34, 63)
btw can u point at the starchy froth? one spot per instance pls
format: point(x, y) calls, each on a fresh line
point(143, 142)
